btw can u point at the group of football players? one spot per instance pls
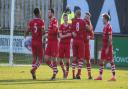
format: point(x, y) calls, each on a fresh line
point(57, 51)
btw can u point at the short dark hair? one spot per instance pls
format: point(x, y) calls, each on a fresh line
point(106, 16)
point(65, 15)
point(88, 13)
point(52, 10)
point(76, 8)
point(36, 11)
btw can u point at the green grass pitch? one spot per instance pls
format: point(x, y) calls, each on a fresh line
point(19, 78)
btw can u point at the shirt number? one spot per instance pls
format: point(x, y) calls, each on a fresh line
point(77, 27)
point(35, 27)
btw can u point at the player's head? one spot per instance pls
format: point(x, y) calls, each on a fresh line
point(50, 13)
point(78, 13)
point(65, 17)
point(106, 18)
point(87, 15)
point(36, 12)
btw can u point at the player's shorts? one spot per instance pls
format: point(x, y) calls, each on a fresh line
point(52, 49)
point(87, 51)
point(78, 49)
point(37, 50)
point(64, 50)
point(109, 56)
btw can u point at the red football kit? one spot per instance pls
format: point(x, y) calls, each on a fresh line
point(64, 45)
point(78, 27)
point(52, 47)
point(35, 26)
point(107, 31)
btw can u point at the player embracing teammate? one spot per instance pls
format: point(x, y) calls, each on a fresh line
point(88, 36)
point(52, 48)
point(81, 30)
point(64, 45)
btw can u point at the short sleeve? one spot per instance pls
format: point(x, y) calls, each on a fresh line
point(29, 26)
point(42, 24)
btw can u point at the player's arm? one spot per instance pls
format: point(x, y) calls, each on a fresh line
point(26, 34)
point(89, 26)
point(109, 39)
point(43, 30)
point(91, 34)
point(28, 30)
point(65, 36)
point(73, 32)
point(61, 35)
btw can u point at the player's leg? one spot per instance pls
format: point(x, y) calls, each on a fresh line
point(87, 58)
point(48, 56)
point(67, 66)
point(61, 57)
point(80, 64)
point(111, 61)
point(40, 55)
point(101, 63)
point(54, 55)
point(88, 65)
point(48, 61)
point(67, 58)
point(62, 67)
point(55, 70)
point(74, 63)
point(74, 59)
point(113, 71)
point(34, 66)
point(81, 56)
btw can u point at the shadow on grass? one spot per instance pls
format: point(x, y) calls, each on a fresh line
point(30, 81)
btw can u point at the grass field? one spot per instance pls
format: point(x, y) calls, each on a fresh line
point(19, 78)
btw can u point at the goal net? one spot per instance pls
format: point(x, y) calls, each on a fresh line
point(14, 16)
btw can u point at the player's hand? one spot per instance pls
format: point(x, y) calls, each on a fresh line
point(74, 34)
point(88, 27)
point(46, 31)
point(88, 37)
point(69, 34)
point(107, 50)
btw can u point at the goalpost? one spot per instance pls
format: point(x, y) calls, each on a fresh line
point(11, 32)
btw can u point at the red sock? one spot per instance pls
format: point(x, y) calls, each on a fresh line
point(34, 69)
point(73, 68)
point(113, 69)
point(101, 69)
point(34, 63)
point(89, 69)
point(49, 63)
point(62, 66)
point(54, 68)
point(67, 68)
point(80, 64)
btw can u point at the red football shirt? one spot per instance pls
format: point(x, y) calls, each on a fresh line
point(35, 26)
point(78, 26)
point(107, 31)
point(53, 29)
point(65, 29)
